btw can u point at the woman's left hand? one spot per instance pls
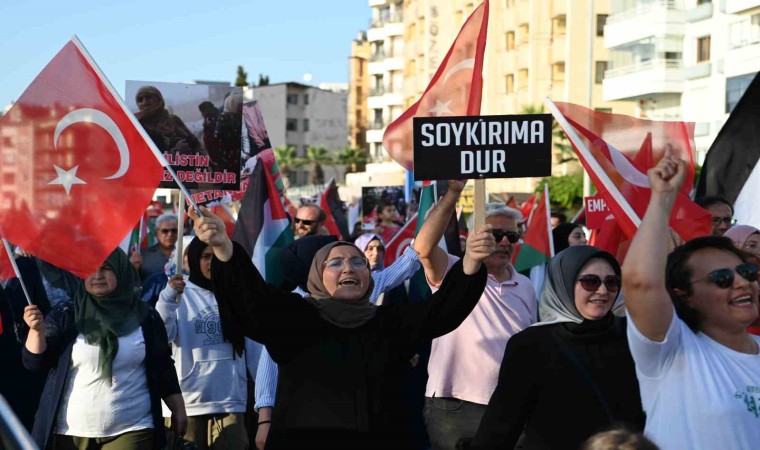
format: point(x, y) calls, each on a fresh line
point(179, 422)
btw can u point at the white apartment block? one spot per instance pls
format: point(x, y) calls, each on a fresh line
point(385, 101)
point(682, 59)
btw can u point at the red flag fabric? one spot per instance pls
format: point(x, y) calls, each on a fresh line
point(398, 243)
point(527, 207)
point(455, 89)
point(623, 148)
point(330, 223)
point(83, 171)
point(537, 246)
point(6, 269)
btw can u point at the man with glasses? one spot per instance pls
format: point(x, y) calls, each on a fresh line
point(722, 213)
point(308, 221)
point(464, 364)
point(154, 258)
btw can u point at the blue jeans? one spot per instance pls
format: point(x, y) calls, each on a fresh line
point(449, 419)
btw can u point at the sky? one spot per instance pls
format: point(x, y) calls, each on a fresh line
point(181, 41)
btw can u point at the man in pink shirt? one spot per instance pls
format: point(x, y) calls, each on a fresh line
point(464, 364)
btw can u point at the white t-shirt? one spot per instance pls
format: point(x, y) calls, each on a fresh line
point(92, 408)
point(697, 393)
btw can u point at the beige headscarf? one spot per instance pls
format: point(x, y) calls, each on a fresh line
point(340, 313)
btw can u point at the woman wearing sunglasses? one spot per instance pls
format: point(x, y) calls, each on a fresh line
point(340, 357)
point(570, 375)
point(698, 368)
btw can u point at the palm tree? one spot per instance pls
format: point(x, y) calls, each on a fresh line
point(354, 159)
point(318, 156)
point(287, 160)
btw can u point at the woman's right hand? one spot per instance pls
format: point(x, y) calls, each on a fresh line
point(177, 282)
point(210, 229)
point(668, 175)
point(261, 435)
point(34, 319)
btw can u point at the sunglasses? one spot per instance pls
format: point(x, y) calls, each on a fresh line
point(592, 282)
point(304, 221)
point(724, 278)
point(355, 263)
point(512, 236)
point(168, 230)
point(726, 220)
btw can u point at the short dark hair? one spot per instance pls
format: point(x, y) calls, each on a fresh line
point(322, 216)
point(710, 200)
point(619, 439)
point(562, 218)
point(678, 273)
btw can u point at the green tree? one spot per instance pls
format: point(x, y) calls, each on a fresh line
point(263, 80)
point(559, 140)
point(287, 160)
point(318, 156)
point(354, 159)
point(242, 77)
point(565, 192)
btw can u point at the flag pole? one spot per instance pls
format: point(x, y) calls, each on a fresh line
point(156, 152)
point(479, 210)
point(180, 233)
point(548, 219)
point(140, 232)
point(586, 154)
point(16, 271)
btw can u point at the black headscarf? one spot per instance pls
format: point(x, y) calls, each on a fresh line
point(296, 259)
point(231, 332)
point(102, 320)
point(561, 234)
point(557, 303)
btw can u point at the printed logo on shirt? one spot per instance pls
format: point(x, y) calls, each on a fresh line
point(209, 323)
point(751, 399)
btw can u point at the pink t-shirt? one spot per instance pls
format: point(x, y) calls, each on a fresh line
point(465, 363)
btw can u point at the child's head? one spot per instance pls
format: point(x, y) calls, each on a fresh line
point(386, 211)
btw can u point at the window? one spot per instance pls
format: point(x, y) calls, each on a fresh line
point(305, 99)
point(558, 73)
point(735, 88)
point(510, 40)
point(292, 99)
point(305, 125)
point(601, 67)
point(509, 83)
point(524, 33)
point(601, 20)
point(559, 25)
point(291, 125)
point(522, 79)
point(703, 49)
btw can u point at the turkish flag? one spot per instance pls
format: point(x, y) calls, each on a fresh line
point(398, 243)
point(622, 149)
point(78, 171)
point(6, 269)
point(455, 89)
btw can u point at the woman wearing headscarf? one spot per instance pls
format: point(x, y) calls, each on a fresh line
point(745, 237)
point(568, 235)
point(210, 364)
point(227, 131)
point(108, 364)
point(570, 375)
point(373, 247)
point(340, 356)
point(167, 131)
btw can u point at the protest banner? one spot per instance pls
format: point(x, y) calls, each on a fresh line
point(196, 127)
point(596, 210)
point(482, 146)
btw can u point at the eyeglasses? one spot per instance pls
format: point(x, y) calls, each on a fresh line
point(304, 221)
point(167, 230)
point(726, 220)
point(355, 263)
point(592, 282)
point(512, 236)
point(724, 278)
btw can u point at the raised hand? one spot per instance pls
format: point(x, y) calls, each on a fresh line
point(211, 230)
point(480, 245)
point(668, 175)
point(457, 186)
point(34, 319)
point(177, 282)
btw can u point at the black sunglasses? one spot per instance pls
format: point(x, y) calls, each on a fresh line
point(592, 282)
point(168, 230)
point(512, 236)
point(724, 278)
point(304, 221)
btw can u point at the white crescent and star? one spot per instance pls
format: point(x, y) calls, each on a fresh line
point(442, 107)
point(68, 178)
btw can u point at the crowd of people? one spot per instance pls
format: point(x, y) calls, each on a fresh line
point(657, 351)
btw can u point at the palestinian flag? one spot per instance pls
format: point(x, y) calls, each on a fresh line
point(732, 167)
point(537, 247)
point(262, 227)
point(331, 204)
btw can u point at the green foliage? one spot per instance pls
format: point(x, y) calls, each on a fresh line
point(242, 77)
point(355, 159)
point(559, 140)
point(263, 80)
point(565, 192)
point(318, 156)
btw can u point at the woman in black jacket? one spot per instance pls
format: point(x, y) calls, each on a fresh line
point(108, 366)
point(340, 357)
point(570, 375)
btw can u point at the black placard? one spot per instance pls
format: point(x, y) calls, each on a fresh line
point(462, 147)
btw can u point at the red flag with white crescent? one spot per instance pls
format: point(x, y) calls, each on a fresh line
point(78, 170)
point(455, 89)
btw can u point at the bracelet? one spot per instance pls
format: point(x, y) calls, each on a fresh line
point(265, 422)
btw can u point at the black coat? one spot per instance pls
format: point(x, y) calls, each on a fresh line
point(544, 392)
point(61, 332)
point(338, 387)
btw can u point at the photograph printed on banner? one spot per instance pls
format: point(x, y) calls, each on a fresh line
point(197, 127)
point(383, 210)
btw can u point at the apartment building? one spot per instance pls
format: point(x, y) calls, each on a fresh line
point(358, 90)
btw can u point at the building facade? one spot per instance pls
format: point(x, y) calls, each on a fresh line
point(357, 92)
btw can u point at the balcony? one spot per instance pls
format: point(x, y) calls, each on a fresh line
point(740, 6)
point(377, 91)
point(697, 71)
point(657, 18)
point(377, 56)
point(701, 12)
point(655, 76)
point(377, 2)
point(376, 125)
